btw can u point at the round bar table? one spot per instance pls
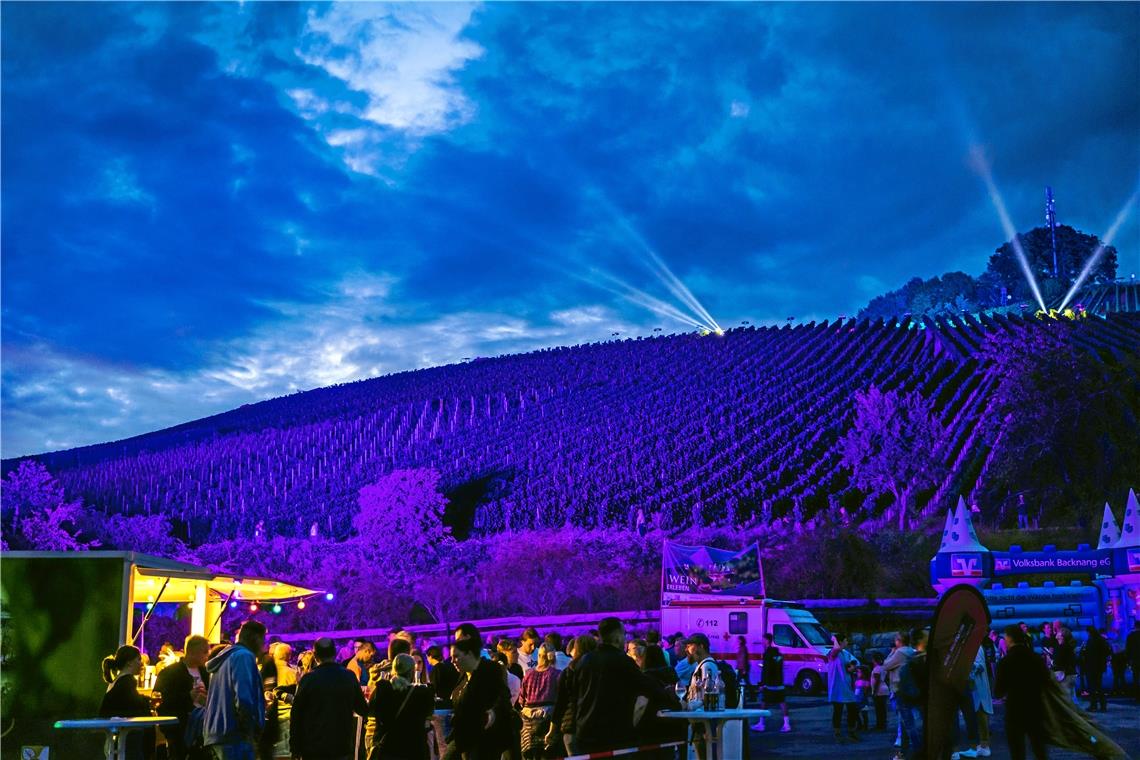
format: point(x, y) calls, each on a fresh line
point(116, 729)
point(718, 746)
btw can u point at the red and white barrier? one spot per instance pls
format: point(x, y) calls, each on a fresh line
point(625, 751)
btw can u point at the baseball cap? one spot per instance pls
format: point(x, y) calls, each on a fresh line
point(699, 639)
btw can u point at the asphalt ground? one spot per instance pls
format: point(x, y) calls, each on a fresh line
point(812, 735)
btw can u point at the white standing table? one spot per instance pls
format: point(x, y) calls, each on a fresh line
point(116, 730)
point(724, 729)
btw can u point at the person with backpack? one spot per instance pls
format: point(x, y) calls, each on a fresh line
point(840, 694)
point(911, 697)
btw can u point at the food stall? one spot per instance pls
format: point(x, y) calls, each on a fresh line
point(63, 612)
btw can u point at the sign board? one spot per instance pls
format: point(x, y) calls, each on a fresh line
point(1098, 561)
point(703, 571)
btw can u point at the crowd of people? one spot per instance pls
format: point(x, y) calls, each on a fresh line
point(538, 697)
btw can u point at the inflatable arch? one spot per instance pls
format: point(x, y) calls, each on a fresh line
point(1109, 599)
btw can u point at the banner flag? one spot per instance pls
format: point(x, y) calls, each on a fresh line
point(703, 571)
point(961, 621)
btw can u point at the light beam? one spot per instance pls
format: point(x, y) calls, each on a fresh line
point(636, 296)
point(1091, 263)
point(658, 267)
point(982, 167)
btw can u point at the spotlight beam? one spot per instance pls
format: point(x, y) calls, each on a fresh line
point(1092, 261)
point(981, 166)
point(658, 267)
point(626, 291)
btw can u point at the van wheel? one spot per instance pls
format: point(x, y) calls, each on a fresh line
point(808, 682)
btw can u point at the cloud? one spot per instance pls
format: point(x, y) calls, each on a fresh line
point(402, 58)
point(356, 335)
point(188, 218)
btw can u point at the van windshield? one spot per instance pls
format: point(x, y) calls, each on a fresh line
point(815, 633)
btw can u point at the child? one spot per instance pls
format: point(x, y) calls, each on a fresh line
point(862, 694)
point(881, 691)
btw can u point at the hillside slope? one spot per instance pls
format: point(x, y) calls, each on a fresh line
point(692, 429)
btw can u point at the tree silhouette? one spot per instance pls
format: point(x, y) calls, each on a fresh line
point(1073, 250)
point(893, 445)
point(37, 512)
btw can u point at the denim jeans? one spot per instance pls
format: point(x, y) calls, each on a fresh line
point(240, 751)
point(911, 720)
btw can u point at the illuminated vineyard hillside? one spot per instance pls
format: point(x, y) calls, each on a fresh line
point(691, 429)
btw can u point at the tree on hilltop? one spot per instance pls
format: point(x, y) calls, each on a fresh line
point(1073, 250)
point(893, 446)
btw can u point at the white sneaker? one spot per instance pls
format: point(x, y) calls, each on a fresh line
point(758, 726)
point(966, 753)
point(787, 729)
point(898, 742)
point(983, 751)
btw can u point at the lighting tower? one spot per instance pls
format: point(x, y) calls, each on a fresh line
point(1051, 220)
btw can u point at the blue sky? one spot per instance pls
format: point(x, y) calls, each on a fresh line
point(206, 205)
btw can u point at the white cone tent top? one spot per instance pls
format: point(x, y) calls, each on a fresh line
point(1109, 531)
point(946, 531)
point(1130, 527)
point(959, 535)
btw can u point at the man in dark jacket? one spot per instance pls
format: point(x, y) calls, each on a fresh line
point(606, 685)
point(182, 686)
point(444, 676)
point(1095, 660)
point(1021, 681)
point(480, 703)
point(1132, 649)
point(322, 727)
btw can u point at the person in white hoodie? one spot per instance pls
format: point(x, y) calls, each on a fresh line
point(983, 704)
point(235, 704)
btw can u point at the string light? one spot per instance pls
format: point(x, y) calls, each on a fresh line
point(233, 605)
point(253, 607)
point(276, 609)
point(329, 596)
point(301, 604)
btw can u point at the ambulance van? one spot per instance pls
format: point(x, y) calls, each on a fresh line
point(800, 637)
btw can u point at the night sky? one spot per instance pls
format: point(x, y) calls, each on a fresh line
point(208, 205)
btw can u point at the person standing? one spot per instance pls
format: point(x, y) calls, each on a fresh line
point(363, 659)
point(1096, 654)
point(1021, 680)
point(1065, 662)
point(479, 705)
point(401, 709)
point(443, 676)
point(538, 694)
point(607, 686)
point(772, 683)
point(743, 662)
point(322, 726)
point(122, 699)
point(1132, 649)
point(235, 702)
point(565, 706)
point(840, 694)
point(1022, 513)
point(892, 668)
point(528, 650)
point(880, 692)
point(183, 687)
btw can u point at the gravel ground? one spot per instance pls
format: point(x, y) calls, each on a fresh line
point(812, 736)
